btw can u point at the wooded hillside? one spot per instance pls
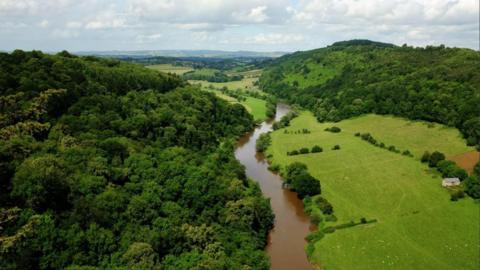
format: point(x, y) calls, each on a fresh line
point(350, 78)
point(108, 165)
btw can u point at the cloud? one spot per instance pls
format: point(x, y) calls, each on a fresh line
point(210, 11)
point(148, 38)
point(254, 15)
point(406, 12)
point(200, 26)
point(105, 23)
point(233, 25)
point(32, 7)
point(43, 24)
point(108, 19)
point(274, 39)
point(64, 34)
point(74, 24)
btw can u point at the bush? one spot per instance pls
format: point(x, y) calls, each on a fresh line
point(274, 168)
point(472, 186)
point(304, 150)
point(336, 147)
point(317, 149)
point(294, 153)
point(298, 178)
point(315, 218)
point(449, 168)
point(334, 129)
point(363, 220)
point(435, 157)
point(425, 157)
point(325, 206)
point(407, 153)
point(357, 134)
point(263, 142)
point(458, 194)
point(329, 230)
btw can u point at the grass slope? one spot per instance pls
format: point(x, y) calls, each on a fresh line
point(168, 68)
point(416, 136)
point(256, 107)
point(244, 84)
point(418, 226)
point(247, 83)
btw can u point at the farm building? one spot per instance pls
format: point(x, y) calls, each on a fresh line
point(450, 182)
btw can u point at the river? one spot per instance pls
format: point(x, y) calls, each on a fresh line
point(286, 241)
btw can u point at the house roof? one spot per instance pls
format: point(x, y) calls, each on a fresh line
point(451, 180)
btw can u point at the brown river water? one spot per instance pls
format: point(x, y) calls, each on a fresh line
point(286, 241)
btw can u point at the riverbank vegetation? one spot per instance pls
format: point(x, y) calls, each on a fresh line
point(383, 204)
point(109, 165)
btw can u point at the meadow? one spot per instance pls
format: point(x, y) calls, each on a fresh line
point(255, 106)
point(417, 227)
point(247, 83)
point(168, 68)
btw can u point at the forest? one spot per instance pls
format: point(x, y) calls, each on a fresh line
point(346, 79)
point(109, 165)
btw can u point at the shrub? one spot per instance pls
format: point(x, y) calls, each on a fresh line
point(472, 186)
point(329, 230)
point(406, 153)
point(334, 129)
point(325, 206)
point(317, 149)
point(298, 178)
point(315, 218)
point(392, 148)
point(336, 147)
point(331, 218)
point(458, 194)
point(304, 150)
point(263, 142)
point(435, 157)
point(449, 168)
point(294, 153)
point(363, 220)
point(274, 168)
point(425, 157)
point(357, 134)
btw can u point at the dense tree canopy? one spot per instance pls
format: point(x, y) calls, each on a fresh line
point(105, 165)
point(351, 78)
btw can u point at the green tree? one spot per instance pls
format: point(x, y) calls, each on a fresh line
point(435, 157)
point(42, 183)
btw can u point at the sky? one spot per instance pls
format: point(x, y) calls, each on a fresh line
point(254, 25)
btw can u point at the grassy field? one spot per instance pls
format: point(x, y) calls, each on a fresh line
point(205, 71)
point(256, 107)
point(168, 68)
point(418, 226)
point(247, 83)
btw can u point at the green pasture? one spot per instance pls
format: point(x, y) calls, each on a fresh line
point(256, 107)
point(168, 68)
point(418, 226)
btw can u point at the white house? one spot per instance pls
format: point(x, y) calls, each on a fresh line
point(450, 182)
